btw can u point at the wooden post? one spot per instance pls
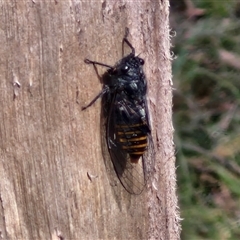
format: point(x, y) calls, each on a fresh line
point(54, 183)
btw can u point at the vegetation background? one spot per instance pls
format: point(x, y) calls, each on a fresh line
point(206, 73)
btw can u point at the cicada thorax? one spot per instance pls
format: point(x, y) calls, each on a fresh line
point(133, 139)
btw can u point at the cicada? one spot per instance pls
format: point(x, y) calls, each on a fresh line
point(127, 125)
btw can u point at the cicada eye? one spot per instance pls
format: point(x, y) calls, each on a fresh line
point(141, 61)
point(125, 68)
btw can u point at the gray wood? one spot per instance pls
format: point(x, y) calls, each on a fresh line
point(54, 183)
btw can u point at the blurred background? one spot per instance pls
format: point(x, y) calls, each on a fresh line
point(206, 74)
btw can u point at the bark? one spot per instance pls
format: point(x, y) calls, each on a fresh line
point(54, 184)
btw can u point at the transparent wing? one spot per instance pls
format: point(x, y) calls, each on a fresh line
point(133, 175)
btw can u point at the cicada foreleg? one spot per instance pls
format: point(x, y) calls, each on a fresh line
point(105, 90)
point(125, 40)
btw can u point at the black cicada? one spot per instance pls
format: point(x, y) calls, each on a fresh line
point(128, 132)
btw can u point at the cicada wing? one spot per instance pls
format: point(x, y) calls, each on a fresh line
point(149, 159)
point(132, 175)
point(149, 156)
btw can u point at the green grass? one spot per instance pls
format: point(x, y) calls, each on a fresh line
point(207, 122)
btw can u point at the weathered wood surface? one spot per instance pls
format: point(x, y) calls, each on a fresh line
point(48, 146)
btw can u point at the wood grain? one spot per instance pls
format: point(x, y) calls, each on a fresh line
point(49, 147)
